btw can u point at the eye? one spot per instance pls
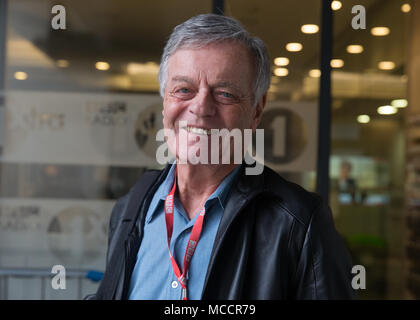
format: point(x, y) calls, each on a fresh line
point(183, 93)
point(225, 94)
point(225, 97)
point(183, 90)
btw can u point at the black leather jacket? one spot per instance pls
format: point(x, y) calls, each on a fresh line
point(275, 241)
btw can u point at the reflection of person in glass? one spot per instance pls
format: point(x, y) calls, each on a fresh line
point(209, 231)
point(346, 184)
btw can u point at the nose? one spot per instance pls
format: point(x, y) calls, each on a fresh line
point(203, 104)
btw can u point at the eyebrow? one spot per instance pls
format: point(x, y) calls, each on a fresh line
point(220, 84)
point(226, 84)
point(182, 79)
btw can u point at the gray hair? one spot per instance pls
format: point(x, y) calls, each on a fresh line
point(205, 29)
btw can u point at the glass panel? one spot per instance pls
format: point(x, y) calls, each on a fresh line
point(368, 143)
point(290, 117)
point(79, 122)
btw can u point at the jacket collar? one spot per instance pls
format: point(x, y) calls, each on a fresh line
point(220, 194)
point(246, 189)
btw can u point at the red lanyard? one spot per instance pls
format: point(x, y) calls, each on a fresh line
point(192, 241)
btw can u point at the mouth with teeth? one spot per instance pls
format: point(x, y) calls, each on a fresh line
point(197, 130)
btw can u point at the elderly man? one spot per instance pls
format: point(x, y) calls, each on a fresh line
point(208, 230)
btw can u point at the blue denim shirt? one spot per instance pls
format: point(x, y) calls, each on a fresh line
point(153, 277)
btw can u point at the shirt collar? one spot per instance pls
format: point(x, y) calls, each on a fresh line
point(221, 193)
point(167, 184)
point(224, 187)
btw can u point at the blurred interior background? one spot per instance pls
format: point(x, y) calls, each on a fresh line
point(80, 109)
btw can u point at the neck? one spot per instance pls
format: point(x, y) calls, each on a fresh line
point(195, 183)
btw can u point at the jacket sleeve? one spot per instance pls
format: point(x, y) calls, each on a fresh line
point(324, 267)
point(116, 217)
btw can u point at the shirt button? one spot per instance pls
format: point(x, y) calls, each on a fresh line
point(174, 284)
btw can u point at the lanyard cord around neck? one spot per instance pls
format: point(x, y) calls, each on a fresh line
point(192, 241)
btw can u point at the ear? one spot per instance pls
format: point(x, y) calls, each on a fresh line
point(259, 108)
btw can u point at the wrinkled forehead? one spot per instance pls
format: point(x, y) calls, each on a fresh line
point(227, 60)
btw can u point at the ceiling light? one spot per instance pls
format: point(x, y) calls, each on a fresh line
point(281, 72)
point(399, 103)
point(337, 63)
point(386, 110)
point(386, 65)
point(62, 63)
point(102, 65)
point(380, 31)
point(294, 46)
point(336, 5)
point(142, 68)
point(20, 75)
point(363, 118)
point(309, 28)
point(314, 73)
point(281, 61)
point(354, 48)
point(406, 8)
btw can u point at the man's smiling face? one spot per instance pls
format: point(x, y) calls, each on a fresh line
point(209, 88)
